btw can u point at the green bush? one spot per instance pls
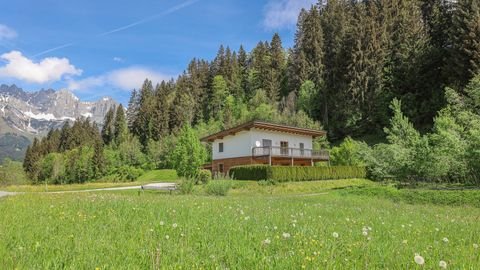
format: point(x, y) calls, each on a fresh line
point(291, 174)
point(186, 186)
point(218, 188)
point(204, 176)
point(249, 172)
point(129, 173)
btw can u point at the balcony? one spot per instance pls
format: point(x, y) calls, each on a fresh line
point(290, 153)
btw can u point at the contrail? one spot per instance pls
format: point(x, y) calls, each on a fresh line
point(142, 21)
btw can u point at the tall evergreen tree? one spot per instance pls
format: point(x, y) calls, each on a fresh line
point(465, 51)
point(120, 126)
point(108, 129)
point(161, 113)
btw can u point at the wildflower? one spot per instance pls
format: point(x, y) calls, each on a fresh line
point(445, 240)
point(162, 223)
point(442, 264)
point(275, 227)
point(286, 235)
point(151, 230)
point(475, 246)
point(369, 238)
point(404, 242)
point(247, 217)
point(437, 229)
point(266, 242)
point(419, 259)
point(335, 235)
point(174, 225)
point(365, 233)
point(182, 235)
point(167, 237)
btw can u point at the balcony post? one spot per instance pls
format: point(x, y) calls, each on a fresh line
point(270, 156)
point(291, 157)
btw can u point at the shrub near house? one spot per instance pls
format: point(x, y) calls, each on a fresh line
point(295, 173)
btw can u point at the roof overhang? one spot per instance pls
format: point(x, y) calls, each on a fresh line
point(265, 126)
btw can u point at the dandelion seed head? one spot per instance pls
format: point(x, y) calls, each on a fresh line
point(442, 264)
point(335, 235)
point(445, 240)
point(419, 259)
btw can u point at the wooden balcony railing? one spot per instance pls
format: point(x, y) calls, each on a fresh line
point(287, 152)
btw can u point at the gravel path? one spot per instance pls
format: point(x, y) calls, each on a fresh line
point(155, 186)
point(4, 193)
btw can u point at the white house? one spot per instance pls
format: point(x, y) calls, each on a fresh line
point(264, 143)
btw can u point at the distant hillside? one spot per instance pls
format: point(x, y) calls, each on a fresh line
point(24, 115)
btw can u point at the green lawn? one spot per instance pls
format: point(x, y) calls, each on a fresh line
point(276, 227)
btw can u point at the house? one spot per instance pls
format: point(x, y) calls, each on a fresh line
point(259, 142)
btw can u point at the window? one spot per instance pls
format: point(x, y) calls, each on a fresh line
point(220, 147)
point(220, 167)
point(284, 148)
point(302, 149)
point(267, 144)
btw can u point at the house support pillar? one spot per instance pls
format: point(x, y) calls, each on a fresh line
point(291, 155)
point(270, 156)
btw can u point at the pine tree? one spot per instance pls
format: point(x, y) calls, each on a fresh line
point(161, 113)
point(465, 52)
point(108, 130)
point(243, 70)
point(143, 125)
point(219, 94)
point(276, 72)
point(98, 160)
point(120, 126)
point(132, 110)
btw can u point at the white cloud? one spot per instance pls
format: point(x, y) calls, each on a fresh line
point(49, 69)
point(7, 33)
point(125, 79)
point(284, 13)
point(118, 59)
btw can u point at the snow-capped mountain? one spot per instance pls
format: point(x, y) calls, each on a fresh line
point(37, 112)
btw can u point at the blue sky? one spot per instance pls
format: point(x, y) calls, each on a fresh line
point(98, 48)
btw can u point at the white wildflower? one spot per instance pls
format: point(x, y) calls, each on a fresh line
point(247, 217)
point(419, 259)
point(445, 240)
point(335, 235)
point(174, 225)
point(167, 237)
point(286, 235)
point(475, 246)
point(365, 233)
point(266, 242)
point(162, 223)
point(275, 227)
point(442, 264)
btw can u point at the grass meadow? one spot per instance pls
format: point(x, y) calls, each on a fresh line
point(314, 225)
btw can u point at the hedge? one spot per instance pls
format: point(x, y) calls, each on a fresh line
point(296, 173)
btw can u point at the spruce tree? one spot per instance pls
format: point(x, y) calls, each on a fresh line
point(120, 126)
point(465, 52)
point(108, 129)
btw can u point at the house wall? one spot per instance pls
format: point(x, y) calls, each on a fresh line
point(241, 144)
point(293, 140)
point(234, 146)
